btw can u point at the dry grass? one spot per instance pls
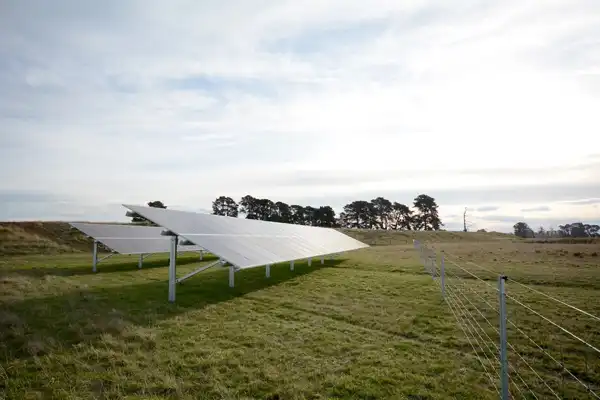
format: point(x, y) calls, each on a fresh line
point(371, 325)
point(36, 237)
point(389, 238)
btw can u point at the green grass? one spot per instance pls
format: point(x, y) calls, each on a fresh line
point(371, 324)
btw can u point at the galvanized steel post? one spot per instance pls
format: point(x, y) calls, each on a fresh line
point(95, 255)
point(443, 273)
point(140, 261)
point(172, 268)
point(292, 265)
point(503, 338)
point(231, 276)
point(268, 271)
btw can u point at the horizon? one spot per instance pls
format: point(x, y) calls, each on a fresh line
point(452, 228)
point(475, 104)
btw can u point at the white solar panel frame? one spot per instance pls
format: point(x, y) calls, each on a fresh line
point(130, 239)
point(247, 243)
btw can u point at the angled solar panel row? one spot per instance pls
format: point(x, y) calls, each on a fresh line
point(130, 239)
point(248, 243)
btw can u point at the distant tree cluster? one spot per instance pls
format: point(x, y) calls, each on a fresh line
point(573, 230)
point(138, 219)
point(378, 213)
point(268, 210)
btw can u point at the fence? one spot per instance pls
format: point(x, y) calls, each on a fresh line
point(522, 350)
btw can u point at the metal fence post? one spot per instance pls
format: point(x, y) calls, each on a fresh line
point(443, 274)
point(503, 338)
point(95, 257)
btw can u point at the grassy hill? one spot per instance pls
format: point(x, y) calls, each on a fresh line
point(22, 238)
point(56, 237)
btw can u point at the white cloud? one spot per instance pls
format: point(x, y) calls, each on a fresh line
point(139, 100)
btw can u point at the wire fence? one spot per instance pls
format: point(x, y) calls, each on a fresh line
point(526, 348)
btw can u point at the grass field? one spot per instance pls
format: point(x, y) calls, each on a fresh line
point(371, 324)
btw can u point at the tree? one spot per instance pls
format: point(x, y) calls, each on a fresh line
point(564, 230)
point(342, 220)
point(541, 232)
point(381, 208)
point(578, 230)
point(138, 219)
point(427, 218)
point(249, 206)
point(359, 214)
point(156, 204)
point(592, 230)
point(297, 214)
point(325, 216)
point(523, 230)
point(401, 217)
point(283, 212)
point(266, 210)
point(225, 206)
point(310, 214)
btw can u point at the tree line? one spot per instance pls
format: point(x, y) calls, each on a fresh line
point(379, 213)
point(573, 230)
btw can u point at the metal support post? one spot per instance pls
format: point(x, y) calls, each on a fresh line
point(140, 261)
point(231, 276)
point(503, 339)
point(309, 261)
point(172, 269)
point(95, 255)
point(268, 270)
point(322, 260)
point(292, 265)
point(443, 278)
point(201, 255)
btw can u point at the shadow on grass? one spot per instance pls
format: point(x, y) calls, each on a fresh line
point(114, 265)
point(84, 316)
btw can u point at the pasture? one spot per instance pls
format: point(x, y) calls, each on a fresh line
point(369, 324)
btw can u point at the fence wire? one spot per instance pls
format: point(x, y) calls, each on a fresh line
point(546, 356)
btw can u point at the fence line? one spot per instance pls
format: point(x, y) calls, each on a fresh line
point(510, 371)
point(564, 303)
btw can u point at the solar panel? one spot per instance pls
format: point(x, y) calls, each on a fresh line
point(248, 243)
point(130, 239)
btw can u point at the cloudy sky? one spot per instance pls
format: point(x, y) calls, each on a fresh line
point(489, 105)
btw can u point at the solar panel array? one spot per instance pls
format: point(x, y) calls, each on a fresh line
point(130, 239)
point(248, 243)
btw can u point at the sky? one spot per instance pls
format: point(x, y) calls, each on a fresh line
point(489, 105)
